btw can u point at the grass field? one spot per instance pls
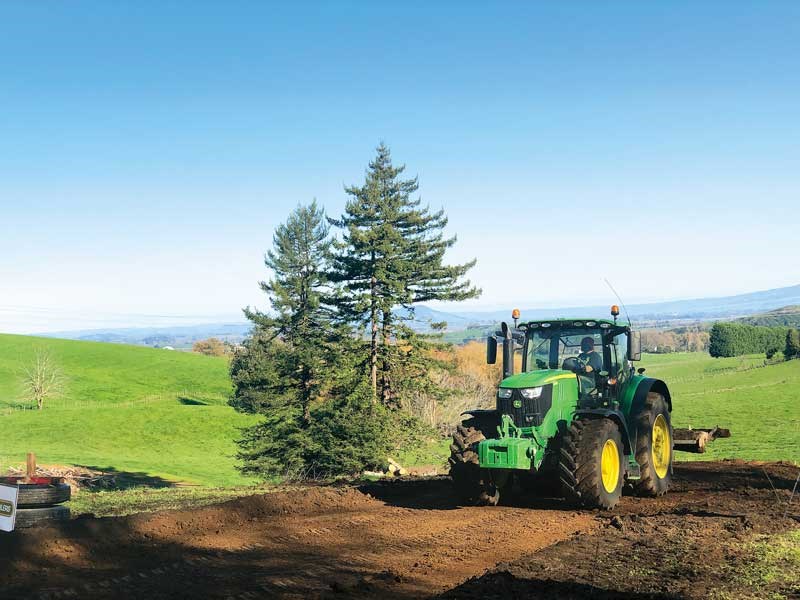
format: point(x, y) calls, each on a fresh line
point(152, 413)
point(759, 404)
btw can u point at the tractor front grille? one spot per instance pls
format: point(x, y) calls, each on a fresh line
point(530, 412)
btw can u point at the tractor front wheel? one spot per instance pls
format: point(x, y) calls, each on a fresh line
point(654, 447)
point(591, 463)
point(473, 484)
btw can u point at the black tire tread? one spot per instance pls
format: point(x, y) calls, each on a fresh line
point(578, 471)
point(470, 480)
point(649, 484)
point(28, 517)
point(39, 495)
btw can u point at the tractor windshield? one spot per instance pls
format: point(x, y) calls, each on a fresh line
point(549, 348)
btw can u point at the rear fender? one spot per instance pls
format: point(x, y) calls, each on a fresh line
point(614, 415)
point(647, 385)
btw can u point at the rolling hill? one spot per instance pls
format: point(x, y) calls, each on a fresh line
point(698, 308)
point(788, 316)
point(147, 412)
point(180, 336)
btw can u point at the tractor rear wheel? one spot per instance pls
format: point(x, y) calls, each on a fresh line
point(473, 484)
point(591, 463)
point(654, 447)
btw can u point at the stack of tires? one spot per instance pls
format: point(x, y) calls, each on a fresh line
point(40, 500)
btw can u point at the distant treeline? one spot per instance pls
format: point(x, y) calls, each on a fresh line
point(679, 339)
point(737, 339)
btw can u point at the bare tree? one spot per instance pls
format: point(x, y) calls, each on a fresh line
point(43, 379)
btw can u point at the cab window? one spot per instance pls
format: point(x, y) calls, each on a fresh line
point(619, 354)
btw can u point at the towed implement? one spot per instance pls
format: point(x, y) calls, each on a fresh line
point(578, 417)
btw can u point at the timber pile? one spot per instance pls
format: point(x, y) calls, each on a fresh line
point(695, 440)
point(391, 469)
point(76, 477)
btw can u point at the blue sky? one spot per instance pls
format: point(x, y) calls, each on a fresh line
point(148, 149)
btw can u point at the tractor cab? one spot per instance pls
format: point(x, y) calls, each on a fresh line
point(597, 351)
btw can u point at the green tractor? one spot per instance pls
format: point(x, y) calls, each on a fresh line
point(578, 416)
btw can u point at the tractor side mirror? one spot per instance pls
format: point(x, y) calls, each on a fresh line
point(491, 350)
point(635, 345)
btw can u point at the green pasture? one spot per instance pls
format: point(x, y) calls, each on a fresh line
point(101, 374)
point(151, 414)
point(759, 404)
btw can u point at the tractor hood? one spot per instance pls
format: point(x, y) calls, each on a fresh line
point(536, 378)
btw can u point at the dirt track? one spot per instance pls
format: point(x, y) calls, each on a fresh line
point(409, 539)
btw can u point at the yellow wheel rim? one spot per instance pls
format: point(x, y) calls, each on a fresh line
point(609, 466)
point(661, 447)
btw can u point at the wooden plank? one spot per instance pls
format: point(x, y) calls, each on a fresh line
point(31, 466)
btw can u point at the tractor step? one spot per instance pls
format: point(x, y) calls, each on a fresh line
point(634, 471)
point(695, 440)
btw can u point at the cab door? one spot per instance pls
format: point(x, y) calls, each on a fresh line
point(618, 371)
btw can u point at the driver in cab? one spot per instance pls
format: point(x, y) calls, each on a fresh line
point(589, 362)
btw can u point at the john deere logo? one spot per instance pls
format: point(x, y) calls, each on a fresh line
point(6, 508)
point(517, 403)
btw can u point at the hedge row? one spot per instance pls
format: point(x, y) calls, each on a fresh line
point(736, 339)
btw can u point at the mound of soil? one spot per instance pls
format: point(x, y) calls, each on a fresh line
point(410, 539)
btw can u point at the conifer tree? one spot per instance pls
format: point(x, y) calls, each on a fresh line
point(281, 370)
point(299, 260)
point(391, 256)
point(366, 259)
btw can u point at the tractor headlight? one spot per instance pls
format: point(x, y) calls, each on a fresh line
point(531, 393)
point(504, 392)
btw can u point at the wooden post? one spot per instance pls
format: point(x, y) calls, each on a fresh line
point(31, 468)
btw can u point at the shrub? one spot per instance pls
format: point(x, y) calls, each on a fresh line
point(736, 339)
point(210, 347)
